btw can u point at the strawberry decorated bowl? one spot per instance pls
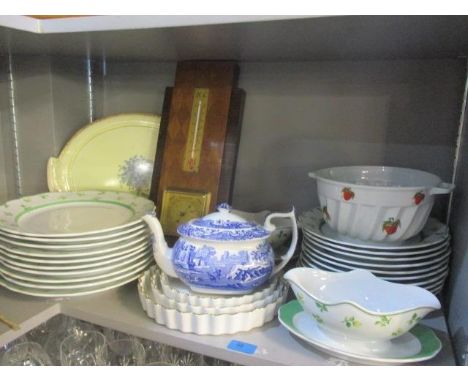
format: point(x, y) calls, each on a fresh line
point(359, 309)
point(377, 203)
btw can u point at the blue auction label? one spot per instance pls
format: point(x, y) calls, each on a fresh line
point(242, 347)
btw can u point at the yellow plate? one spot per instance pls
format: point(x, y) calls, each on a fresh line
point(114, 153)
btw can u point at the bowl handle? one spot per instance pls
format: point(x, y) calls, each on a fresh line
point(442, 188)
point(270, 227)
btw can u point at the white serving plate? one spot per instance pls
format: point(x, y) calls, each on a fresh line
point(421, 265)
point(423, 278)
point(72, 246)
point(308, 238)
point(432, 234)
point(141, 228)
point(68, 265)
point(78, 285)
point(205, 324)
point(180, 292)
point(161, 299)
point(72, 214)
point(395, 257)
point(59, 293)
point(45, 256)
point(69, 275)
point(432, 286)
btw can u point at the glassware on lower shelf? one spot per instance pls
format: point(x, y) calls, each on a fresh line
point(89, 348)
point(25, 354)
point(126, 352)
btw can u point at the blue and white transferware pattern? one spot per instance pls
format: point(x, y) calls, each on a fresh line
point(221, 253)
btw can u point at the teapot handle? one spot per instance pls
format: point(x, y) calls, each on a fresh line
point(270, 227)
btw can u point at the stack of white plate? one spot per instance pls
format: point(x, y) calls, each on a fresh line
point(171, 303)
point(422, 260)
point(73, 243)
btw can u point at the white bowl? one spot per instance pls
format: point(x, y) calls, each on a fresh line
point(376, 203)
point(358, 307)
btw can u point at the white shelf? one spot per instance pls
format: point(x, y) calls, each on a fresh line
point(109, 23)
point(240, 38)
point(120, 309)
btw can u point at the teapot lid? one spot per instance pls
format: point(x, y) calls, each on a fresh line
point(222, 225)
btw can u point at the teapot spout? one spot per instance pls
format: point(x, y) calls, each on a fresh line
point(161, 251)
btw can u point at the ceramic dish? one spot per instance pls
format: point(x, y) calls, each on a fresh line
point(434, 287)
point(161, 299)
point(377, 258)
point(72, 214)
point(87, 239)
point(80, 256)
point(181, 293)
point(432, 284)
point(417, 345)
point(416, 267)
point(77, 285)
point(67, 266)
point(432, 234)
point(205, 324)
point(113, 153)
point(350, 306)
point(376, 203)
point(75, 276)
point(60, 293)
point(71, 248)
point(388, 275)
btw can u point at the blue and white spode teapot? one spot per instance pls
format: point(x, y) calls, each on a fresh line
point(221, 253)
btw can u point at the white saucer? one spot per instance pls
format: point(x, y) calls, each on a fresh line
point(418, 345)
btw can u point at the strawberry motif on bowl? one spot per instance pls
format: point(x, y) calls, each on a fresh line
point(348, 194)
point(419, 197)
point(391, 225)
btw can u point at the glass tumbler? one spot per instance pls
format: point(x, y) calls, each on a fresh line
point(87, 348)
point(126, 352)
point(25, 354)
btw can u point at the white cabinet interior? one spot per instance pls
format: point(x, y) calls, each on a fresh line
point(320, 92)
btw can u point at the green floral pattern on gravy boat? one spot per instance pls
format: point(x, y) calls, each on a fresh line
point(294, 319)
point(359, 306)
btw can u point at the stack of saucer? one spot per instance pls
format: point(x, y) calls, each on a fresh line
point(73, 243)
point(171, 303)
point(422, 260)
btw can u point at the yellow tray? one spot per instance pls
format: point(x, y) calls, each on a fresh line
point(114, 153)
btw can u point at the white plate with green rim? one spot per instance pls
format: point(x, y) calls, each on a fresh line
point(71, 263)
point(72, 214)
point(59, 293)
point(28, 254)
point(419, 344)
point(135, 262)
point(78, 285)
point(433, 233)
point(70, 269)
point(73, 247)
point(88, 239)
point(112, 153)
